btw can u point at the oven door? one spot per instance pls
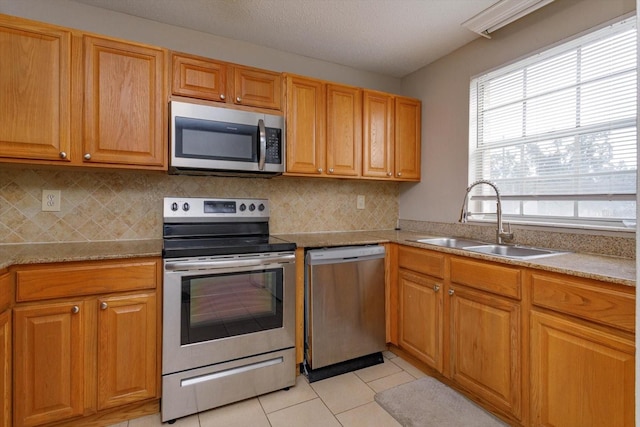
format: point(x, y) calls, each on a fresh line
point(223, 308)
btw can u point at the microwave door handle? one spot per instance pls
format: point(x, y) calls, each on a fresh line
point(262, 133)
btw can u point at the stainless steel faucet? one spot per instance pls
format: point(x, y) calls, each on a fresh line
point(501, 235)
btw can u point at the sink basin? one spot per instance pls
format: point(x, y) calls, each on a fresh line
point(449, 242)
point(507, 251)
point(517, 252)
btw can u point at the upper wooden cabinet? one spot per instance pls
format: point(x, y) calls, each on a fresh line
point(204, 78)
point(81, 100)
point(124, 111)
point(35, 83)
point(346, 132)
point(392, 137)
point(324, 136)
point(305, 118)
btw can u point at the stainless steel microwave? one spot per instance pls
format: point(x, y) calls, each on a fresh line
point(209, 140)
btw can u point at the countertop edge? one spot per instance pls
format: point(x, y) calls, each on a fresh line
point(620, 271)
point(597, 267)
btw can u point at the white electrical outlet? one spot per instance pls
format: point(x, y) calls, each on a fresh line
point(360, 201)
point(51, 200)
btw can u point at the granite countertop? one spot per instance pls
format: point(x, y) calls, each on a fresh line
point(598, 267)
point(35, 253)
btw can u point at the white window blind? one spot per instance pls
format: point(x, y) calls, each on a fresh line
point(556, 132)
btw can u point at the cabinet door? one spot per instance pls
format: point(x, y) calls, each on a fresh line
point(485, 347)
point(305, 126)
point(407, 139)
point(35, 83)
point(420, 323)
point(199, 78)
point(49, 363)
point(127, 356)
point(580, 376)
point(344, 130)
point(377, 135)
point(5, 369)
point(125, 105)
point(257, 88)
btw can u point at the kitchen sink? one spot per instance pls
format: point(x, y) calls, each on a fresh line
point(449, 242)
point(507, 251)
point(518, 252)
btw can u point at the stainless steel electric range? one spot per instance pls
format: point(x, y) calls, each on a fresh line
point(228, 305)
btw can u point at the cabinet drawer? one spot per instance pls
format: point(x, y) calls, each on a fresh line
point(486, 277)
point(585, 298)
point(85, 278)
point(422, 261)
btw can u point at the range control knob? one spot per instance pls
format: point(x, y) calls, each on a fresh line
point(252, 207)
point(174, 206)
point(185, 206)
point(243, 207)
point(261, 207)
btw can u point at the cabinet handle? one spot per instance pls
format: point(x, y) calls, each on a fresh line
point(63, 155)
point(87, 156)
point(103, 305)
point(319, 170)
point(222, 96)
point(75, 309)
point(399, 173)
point(451, 292)
point(238, 99)
point(330, 170)
point(436, 288)
point(389, 174)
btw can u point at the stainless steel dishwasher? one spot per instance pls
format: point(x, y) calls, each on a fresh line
point(344, 309)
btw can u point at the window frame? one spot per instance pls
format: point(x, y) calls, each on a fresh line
point(621, 24)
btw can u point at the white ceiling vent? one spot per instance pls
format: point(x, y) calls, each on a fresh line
point(500, 14)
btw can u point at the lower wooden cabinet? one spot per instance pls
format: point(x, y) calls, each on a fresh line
point(78, 356)
point(126, 349)
point(485, 346)
point(580, 376)
point(49, 356)
point(5, 369)
point(421, 318)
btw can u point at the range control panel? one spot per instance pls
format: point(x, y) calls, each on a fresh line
point(193, 209)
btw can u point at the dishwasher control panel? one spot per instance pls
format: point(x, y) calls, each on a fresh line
point(344, 253)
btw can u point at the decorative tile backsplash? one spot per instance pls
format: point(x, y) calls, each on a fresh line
point(125, 205)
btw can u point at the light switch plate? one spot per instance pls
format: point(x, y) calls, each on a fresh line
point(360, 201)
point(51, 200)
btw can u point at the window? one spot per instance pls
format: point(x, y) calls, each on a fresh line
point(556, 132)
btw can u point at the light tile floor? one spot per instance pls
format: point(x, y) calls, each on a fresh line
point(342, 401)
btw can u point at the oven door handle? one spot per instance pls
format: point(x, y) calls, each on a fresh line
point(213, 264)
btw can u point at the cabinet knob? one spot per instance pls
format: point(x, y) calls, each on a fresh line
point(451, 291)
point(238, 99)
point(319, 170)
point(222, 96)
point(436, 288)
point(389, 174)
point(330, 170)
point(399, 173)
point(63, 155)
point(87, 156)
point(103, 305)
point(75, 309)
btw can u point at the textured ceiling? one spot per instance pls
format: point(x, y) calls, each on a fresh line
point(390, 37)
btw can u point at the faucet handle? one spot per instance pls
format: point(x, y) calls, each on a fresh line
point(507, 235)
